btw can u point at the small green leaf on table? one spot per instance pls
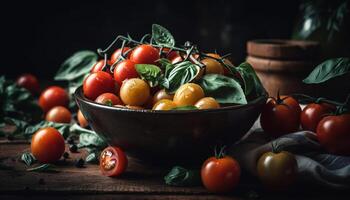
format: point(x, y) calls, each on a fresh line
point(28, 158)
point(179, 176)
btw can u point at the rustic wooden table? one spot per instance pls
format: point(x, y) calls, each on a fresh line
point(139, 182)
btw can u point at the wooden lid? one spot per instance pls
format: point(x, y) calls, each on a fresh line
point(283, 49)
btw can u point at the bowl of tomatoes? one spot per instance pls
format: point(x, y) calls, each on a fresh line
point(156, 100)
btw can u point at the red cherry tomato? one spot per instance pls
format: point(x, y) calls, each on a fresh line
point(125, 70)
point(176, 60)
point(99, 66)
point(29, 82)
point(220, 174)
point(280, 117)
point(53, 96)
point(113, 161)
point(108, 99)
point(312, 114)
point(82, 120)
point(144, 54)
point(170, 56)
point(116, 54)
point(47, 145)
point(98, 83)
point(333, 133)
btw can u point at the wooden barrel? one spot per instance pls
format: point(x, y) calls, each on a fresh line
point(283, 64)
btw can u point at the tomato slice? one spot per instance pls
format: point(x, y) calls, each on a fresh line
point(113, 161)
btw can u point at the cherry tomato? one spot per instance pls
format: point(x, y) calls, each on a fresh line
point(58, 114)
point(116, 54)
point(125, 70)
point(99, 66)
point(134, 92)
point(280, 117)
point(29, 82)
point(81, 119)
point(108, 99)
point(312, 114)
point(53, 96)
point(144, 54)
point(277, 170)
point(98, 83)
point(207, 103)
point(333, 133)
point(176, 60)
point(188, 94)
point(170, 56)
point(220, 174)
point(47, 145)
point(212, 66)
point(113, 161)
point(162, 94)
point(164, 104)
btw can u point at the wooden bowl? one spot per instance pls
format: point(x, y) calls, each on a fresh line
point(174, 136)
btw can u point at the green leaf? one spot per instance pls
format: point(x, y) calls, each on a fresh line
point(185, 108)
point(179, 176)
point(329, 69)
point(252, 83)
point(162, 36)
point(88, 138)
point(28, 158)
point(223, 89)
point(61, 127)
point(92, 158)
point(150, 73)
point(76, 66)
point(182, 73)
point(166, 65)
point(41, 168)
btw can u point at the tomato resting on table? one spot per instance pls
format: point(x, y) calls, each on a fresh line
point(98, 83)
point(125, 70)
point(58, 114)
point(53, 96)
point(333, 133)
point(145, 54)
point(29, 82)
point(81, 119)
point(113, 161)
point(47, 145)
point(312, 115)
point(108, 99)
point(280, 116)
point(220, 174)
point(277, 171)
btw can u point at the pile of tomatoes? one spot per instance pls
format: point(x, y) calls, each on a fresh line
point(284, 115)
point(122, 86)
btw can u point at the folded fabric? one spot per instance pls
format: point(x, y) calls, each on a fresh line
point(314, 164)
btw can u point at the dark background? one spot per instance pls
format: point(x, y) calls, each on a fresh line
point(38, 36)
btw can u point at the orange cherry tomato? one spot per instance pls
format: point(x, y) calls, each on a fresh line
point(58, 114)
point(220, 174)
point(47, 145)
point(81, 119)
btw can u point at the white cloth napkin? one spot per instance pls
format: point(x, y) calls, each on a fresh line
point(314, 164)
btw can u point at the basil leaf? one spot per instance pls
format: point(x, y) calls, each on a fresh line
point(179, 176)
point(166, 65)
point(41, 168)
point(88, 138)
point(76, 66)
point(329, 69)
point(252, 83)
point(151, 73)
point(223, 89)
point(92, 158)
point(28, 158)
point(182, 73)
point(17, 103)
point(61, 127)
point(162, 36)
point(185, 108)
